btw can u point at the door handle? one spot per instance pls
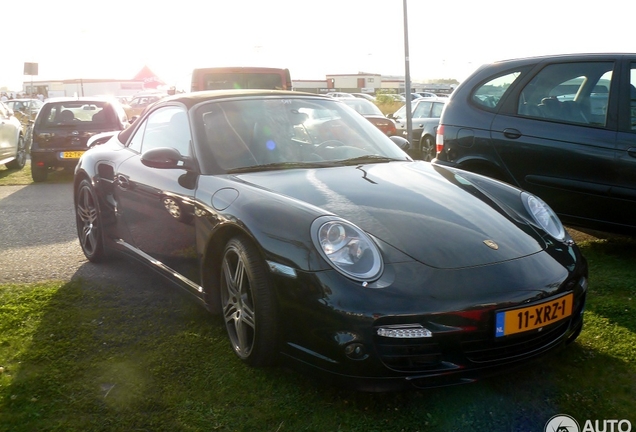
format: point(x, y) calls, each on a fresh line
point(122, 182)
point(511, 133)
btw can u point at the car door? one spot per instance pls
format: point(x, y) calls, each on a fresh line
point(557, 135)
point(157, 204)
point(7, 134)
point(421, 113)
point(624, 190)
point(420, 109)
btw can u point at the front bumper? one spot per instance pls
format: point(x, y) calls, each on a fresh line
point(336, 322)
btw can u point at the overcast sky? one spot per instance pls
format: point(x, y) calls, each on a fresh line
point(114, 39)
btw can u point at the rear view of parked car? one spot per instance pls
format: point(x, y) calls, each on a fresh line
point(63, 127)
point(562, 127)
point(371, 112)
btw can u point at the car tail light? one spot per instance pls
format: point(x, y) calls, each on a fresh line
point(439, 139)
point(391, 129)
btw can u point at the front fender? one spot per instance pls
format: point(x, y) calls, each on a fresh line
point(279, 225)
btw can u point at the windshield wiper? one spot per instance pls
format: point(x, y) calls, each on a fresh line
point(314, 164)
point(283, 165)
point(368, 159)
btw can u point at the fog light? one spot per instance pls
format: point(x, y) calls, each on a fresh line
point(356, 351)
point(404, 331)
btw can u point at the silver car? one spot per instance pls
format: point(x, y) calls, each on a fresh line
point(13, 151)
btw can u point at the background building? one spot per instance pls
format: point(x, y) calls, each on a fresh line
point(83, 87)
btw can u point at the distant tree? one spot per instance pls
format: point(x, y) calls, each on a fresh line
point(443, 81)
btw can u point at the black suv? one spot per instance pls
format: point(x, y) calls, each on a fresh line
point(63, 126)
point(562, 127)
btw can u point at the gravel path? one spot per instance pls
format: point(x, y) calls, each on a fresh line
point(38, 242)
point(37, 233)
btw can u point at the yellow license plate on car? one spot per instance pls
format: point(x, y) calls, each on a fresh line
point(528, 318)
point(72, 154)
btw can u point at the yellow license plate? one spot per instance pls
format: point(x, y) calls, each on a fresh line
point(72, 154)
point(528, 318)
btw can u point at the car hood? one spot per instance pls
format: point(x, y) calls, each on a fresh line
point(423, 211)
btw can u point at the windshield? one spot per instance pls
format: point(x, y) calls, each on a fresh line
point(286, 132)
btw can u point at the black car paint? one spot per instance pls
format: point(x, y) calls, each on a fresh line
point(324, 313)
point(586, 173)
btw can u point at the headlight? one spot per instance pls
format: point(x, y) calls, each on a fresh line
point(347, 248)
point(543, 215)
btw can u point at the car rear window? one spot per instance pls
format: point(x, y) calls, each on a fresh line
point(76, 114)
point(489, 94)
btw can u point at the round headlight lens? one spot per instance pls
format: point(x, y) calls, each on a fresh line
point(544, 216)
point(347, 248)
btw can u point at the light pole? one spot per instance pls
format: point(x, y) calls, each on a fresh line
point(407, 78)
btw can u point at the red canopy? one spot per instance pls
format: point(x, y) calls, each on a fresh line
point(151, 81)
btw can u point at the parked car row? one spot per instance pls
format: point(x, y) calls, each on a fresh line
point(56, 132)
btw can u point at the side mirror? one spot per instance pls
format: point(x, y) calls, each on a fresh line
point(402, 143)
point(166, 158)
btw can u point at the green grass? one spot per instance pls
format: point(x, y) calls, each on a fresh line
point(10, 177)
point(80, 357)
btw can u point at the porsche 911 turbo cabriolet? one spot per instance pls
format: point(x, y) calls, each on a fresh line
point(322, 244)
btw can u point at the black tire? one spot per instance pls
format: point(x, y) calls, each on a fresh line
point(20, 157)
point(429, 150)
point(88, 221)
point(38, 174)
point(248, 303)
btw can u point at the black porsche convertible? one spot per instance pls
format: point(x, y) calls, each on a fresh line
point(324, 245)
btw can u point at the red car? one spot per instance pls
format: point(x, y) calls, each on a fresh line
point(371, 112)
